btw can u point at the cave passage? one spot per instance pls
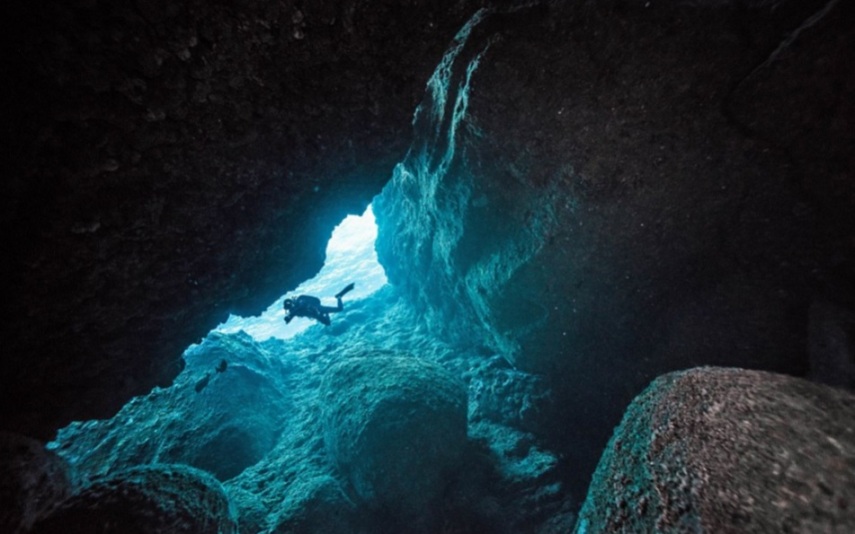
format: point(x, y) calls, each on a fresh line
point(350, 257)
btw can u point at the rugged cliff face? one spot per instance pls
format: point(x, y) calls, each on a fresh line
point(614, 190)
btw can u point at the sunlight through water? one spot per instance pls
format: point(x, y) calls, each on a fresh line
point(351, 257)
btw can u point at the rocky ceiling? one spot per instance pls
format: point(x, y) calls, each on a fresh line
point(166, 163)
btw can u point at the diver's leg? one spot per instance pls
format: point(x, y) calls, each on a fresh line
point(330, 309)
point(324, 318)
point(344, 291)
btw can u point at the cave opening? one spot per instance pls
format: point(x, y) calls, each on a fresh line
point(226, 410)
point(350, 258)
point(402, 404)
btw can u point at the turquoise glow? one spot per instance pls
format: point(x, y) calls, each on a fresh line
point(350, 258)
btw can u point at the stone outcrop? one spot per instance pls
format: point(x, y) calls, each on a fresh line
point(32, 481)
point(395, 427)
point(221, 421)
point(328, 381)
point(518, 487)
point(728, 450)
point(613, 190)
point(145, 500)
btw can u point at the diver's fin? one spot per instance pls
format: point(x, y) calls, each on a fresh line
point(202, 383)
point(344, 291)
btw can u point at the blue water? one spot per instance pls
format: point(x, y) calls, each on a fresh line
point(351, 257)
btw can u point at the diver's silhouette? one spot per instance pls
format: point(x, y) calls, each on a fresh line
point(309, 306)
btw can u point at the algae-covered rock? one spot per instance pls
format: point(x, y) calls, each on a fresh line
point(154, 499)
point(728, 450)
point(394, 426)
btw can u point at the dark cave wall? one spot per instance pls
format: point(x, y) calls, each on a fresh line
point(168, 163)
point(636, 188)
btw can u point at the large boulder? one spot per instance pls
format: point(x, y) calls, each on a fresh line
point(32, 480)
point(156, 499)
point(728, 450)
point(395, 426)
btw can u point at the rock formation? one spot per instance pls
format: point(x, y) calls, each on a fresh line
point(32, 481)
point(166, 164)
point(344, 429)
point(221, 422)
point(395, 427)
point(145, 500)
point(603, 192)
point(728, 450)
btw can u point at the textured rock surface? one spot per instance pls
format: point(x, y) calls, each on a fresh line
point(145, 500)
point(521, 479)
point(395, 427)
point(165, 164)
point(506, 480)
point(222, 422)
point(618, 189)
point(728, 450)
point(32, 480)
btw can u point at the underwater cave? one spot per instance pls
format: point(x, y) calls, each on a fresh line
point(603, 256)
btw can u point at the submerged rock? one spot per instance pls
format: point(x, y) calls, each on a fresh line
point(32, 480)
point(223, 428)
point(146, 500)
point(524, 481)
point(370, 431)
point(395, 426)
point(728, 450)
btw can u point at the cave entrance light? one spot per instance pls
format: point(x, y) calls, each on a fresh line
point(351, 257)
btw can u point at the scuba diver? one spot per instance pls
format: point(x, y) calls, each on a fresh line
point(308, 306)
